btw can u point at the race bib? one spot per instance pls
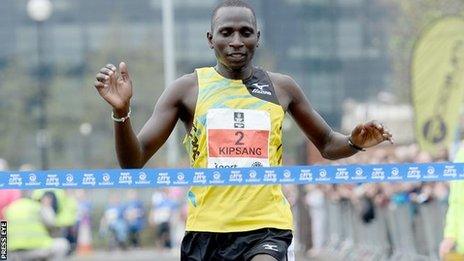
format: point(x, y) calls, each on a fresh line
point(238, 138)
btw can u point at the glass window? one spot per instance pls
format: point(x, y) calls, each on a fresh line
point(350, 38)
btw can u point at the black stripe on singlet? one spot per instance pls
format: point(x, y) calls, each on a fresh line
point(260, 86)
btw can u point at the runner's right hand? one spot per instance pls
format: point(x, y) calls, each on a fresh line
point(114, 87)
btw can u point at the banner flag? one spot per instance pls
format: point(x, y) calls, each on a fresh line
point(438, 83)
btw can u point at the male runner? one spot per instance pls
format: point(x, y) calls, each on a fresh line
point(233, 114)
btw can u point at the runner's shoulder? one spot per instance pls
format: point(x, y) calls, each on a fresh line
point(281, 80)
point(185, 82)
point(285, 87)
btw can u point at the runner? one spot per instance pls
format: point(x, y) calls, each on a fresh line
point(233, 114)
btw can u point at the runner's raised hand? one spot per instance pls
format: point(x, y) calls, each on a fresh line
point(115, 87)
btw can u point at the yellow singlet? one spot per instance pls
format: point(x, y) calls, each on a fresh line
point(236, 124)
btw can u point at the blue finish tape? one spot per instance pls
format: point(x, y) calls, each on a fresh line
point(152, 178)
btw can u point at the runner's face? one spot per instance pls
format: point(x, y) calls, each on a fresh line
point(234, 36)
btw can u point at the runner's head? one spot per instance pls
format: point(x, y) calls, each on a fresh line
point(234, 34)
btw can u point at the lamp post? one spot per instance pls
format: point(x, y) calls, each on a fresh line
point(40, 11)
point(85, 129)
point(170, 71)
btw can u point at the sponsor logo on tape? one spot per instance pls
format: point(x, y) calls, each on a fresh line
point(125, 178)
point(270, 176)
point(413, 173)
point(252, 177)
point(287, 177)
point(163, 178)
point(69, 181)
point(359, 174)
point(431, 173)
point(15, 180)
point(450, 171)
point(199, 177)
point(33, 181)
point(323, 175)
point(306, 175)
point(217, 178)
point(106, 180)
point(52, 180)
point(142, 179)
point(342, 174)
point(378, 174)
point(180, 179)
point(395, 174)
point(235, 176)
point(89, 179)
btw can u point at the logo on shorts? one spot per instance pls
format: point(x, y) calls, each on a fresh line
point(271, 247)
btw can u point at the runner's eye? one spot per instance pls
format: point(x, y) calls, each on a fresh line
point(247, 33)
point(225, 32)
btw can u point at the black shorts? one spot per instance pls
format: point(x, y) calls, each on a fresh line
point(206, 246)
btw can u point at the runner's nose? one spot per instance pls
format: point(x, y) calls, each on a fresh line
point(236, 41)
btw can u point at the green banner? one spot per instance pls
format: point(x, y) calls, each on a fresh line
point(438, 83)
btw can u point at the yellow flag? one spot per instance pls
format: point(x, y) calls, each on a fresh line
point(438, 82)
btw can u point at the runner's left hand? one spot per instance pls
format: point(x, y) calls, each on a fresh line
point(370, 134)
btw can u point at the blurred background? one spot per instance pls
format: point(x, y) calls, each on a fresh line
point(354, 59)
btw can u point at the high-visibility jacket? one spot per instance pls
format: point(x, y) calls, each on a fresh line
point(454, 227)
point(26, 230)
point(66, 214)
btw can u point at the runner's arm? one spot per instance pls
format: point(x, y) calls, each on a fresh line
point(134, 151)
point(331, 144)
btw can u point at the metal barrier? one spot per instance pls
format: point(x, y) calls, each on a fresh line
point(398, 232)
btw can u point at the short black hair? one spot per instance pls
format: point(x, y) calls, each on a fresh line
point(232, 3)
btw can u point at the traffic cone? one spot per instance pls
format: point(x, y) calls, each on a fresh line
point(84, 238)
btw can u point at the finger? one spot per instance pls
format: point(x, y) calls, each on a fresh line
point(375, 124)
point(124, 71)
point(111, 67)
point(98, 84)
point(102, 77)
point(388, 137)
point(106, 71)
point(386, 131)
point(358, 129)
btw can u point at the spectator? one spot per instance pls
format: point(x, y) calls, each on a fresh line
point(28, 224)
point(160, 216)
point(134, 214)
point(7, 196)
point(454, 228)
point(112, 225)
